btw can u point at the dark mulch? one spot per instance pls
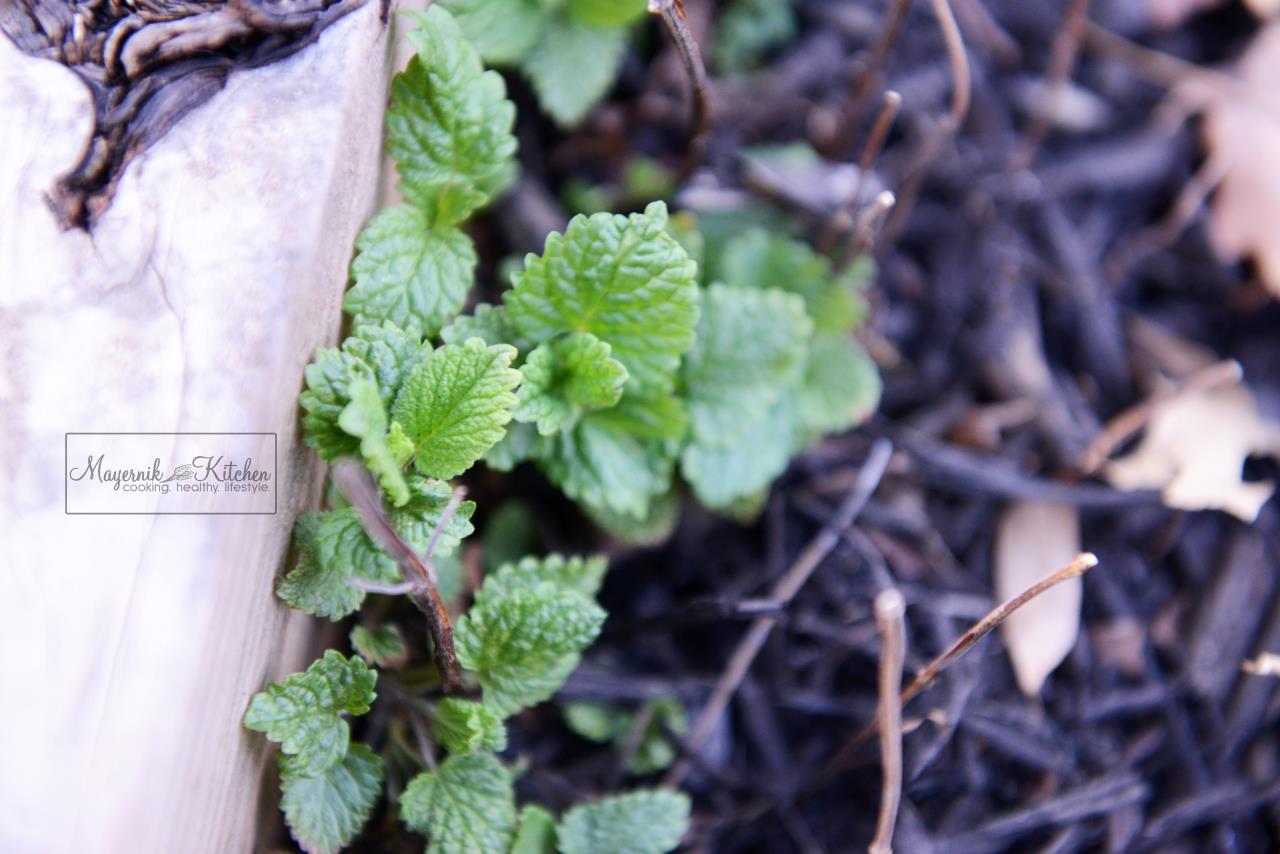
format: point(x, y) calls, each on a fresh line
point(1148, 737)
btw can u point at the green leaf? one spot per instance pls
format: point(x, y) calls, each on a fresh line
point(465, 725)
point(326, 811)
point(502, 31)
point(383, 352)
point(750, 345)
point(449, 124)
point(565, 377)
point(521, 443)
point(602, 464)
point(408, 272)
point(598, 722)
point(302, 713)
point(334, 549)
point(573, 66)
point(537, 834)
point(840, 389)
point(582, 575)
point(723, 475)
point(759, 258)
point(524, 644)
point(603, 723)
point(748, 30)
point(657, 523)
point(490, 323)
point(606, 13)
point(366, 418)
point(382, 645)
point(648, 821)
point(621, 278)
point(467, 807)
point(456, 404)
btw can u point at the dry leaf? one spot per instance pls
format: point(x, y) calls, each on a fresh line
point(1032, 540)
point(1242, 131)
point(1194, 451)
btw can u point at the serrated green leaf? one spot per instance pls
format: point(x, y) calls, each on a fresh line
point(748, 30)
point(565, 377)
point(659, 520)
point(467, 807)
point(601, 464)
point(383, 645)
point(326, 811)
point(582, 575)
point(381, 352)
point(456, 404)
point(621, 278)
point(606, 13)
point(463, 726)
point(365, 417)
point(722, 475)
point(840, 388)
point(759, 258)
point(648, 821)
point(750, 346)
point(521, 443)
point(524, 644)
point(335, 550)
point(490, 323)
point(537, 834)
point(408, 272)
point(502, 31)
point(573, 65)
point(449, 124)
point(302, 713)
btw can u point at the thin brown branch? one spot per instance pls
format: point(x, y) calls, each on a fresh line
point(869, 77)
point(673, 17)
point(1133, 419)
point(961, 92)
point(840, 225)
point(783, 592)
point(357, 485)
point(1062, 60)
point(890, 609)
point(1083, 562)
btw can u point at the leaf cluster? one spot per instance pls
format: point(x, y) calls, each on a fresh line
point(570, 51)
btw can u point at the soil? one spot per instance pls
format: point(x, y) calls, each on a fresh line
point(1148, 737)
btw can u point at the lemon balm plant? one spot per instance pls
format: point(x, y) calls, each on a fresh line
point(609, 364)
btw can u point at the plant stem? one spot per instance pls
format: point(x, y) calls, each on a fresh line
point(890, 609)
point(673, 17)
point(356, 484)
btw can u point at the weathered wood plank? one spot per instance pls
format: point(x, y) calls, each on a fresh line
point(132, 643)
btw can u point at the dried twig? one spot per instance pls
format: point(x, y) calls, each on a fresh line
point(786, 588)
point(960, 95)
point(1266, 664)
point(357, 486)
point(890, 609)
point(1083, 562)
point(1062, 59)
point(1133, 419)
point(673, 17)
point(869, 76)
point(841, 222)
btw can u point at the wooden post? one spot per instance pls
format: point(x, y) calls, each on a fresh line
point(131, 644)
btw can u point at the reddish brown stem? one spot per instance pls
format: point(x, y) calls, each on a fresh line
point(356, 484)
